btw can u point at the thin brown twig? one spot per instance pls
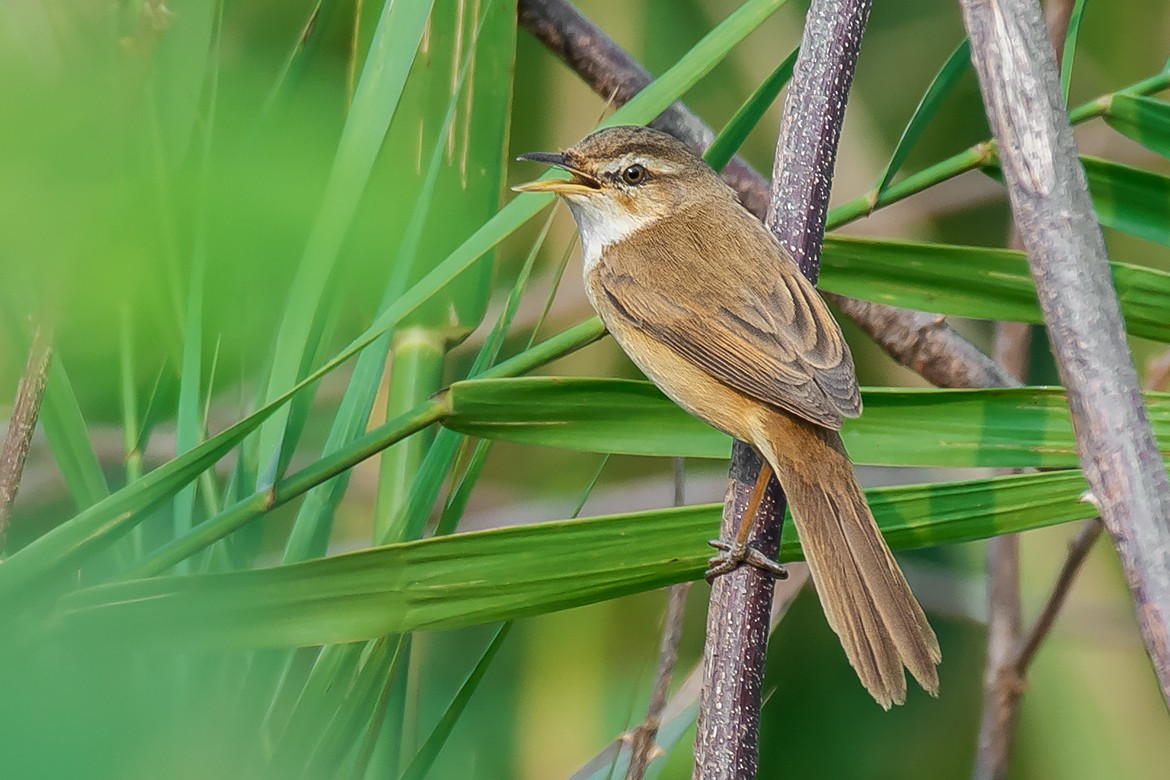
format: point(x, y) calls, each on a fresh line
point(681, 703)
point(643, 747)
point(1006, 678)
point(1003, 678)
point(23, 421)
point(1047, 186)
point(642, 738)
point(1001, 688)
point(1078, 551)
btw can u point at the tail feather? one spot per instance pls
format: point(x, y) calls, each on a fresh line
point(866, 599)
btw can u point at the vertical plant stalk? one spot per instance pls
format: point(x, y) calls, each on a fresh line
point(416, 373)
point(687, 695)
point(23, 421)
point(1002, 686)
point(643, 747)
point(727, 732)
point(1009, 656)
point(727, 737)
point(1003, 678)
point(924, 343)
point(1046, 183)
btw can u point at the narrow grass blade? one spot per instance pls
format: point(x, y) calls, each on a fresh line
point(179, 64)
point(480, 577)
point(382, 672)
point(733, 134)
point(131, 452)
point(307, 42)
point(1070, 47)
point(939, 90)
point(335, 667)
point(395, 43)
point(975, 282)
point(68, 437)
point(188, 421)
point(1004, 428)
point(1131, 200)
point(212, 498)
point(420, 765)
point(129, 398)
point(1142, 119)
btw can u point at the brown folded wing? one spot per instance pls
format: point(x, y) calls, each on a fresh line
point(750, 320)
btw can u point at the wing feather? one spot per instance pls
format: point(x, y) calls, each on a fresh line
point(758, 326)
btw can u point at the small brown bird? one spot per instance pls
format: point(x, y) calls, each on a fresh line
point(713, 310)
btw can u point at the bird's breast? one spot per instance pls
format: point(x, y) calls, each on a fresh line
point(683, 382)
point(603, 222)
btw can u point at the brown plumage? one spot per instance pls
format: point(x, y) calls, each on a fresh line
point(705, 301)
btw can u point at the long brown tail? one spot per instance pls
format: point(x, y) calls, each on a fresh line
point(863, 592)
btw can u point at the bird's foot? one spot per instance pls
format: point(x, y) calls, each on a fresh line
point(735, 554)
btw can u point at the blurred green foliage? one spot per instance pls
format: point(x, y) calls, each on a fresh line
point(147, 144)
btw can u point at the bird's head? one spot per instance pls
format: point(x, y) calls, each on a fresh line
point(623, 179)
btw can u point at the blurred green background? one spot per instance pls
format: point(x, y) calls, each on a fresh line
point(170, 201)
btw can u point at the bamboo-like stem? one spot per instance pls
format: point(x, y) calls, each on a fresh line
point(23, 421)
point(1046, 183)
point(416, 373)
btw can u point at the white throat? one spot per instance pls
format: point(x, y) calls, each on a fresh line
point(601, 222)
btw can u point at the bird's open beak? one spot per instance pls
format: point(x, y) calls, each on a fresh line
point(580, 183)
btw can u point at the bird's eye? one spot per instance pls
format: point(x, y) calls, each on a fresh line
point(635, 174)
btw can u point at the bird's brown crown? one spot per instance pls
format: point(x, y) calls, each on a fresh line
point(645, 169)
point(614, 143)
point(627, 178)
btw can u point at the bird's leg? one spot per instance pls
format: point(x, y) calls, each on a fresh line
point(739, 551)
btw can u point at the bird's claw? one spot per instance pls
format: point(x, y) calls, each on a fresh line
point(734, 554)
